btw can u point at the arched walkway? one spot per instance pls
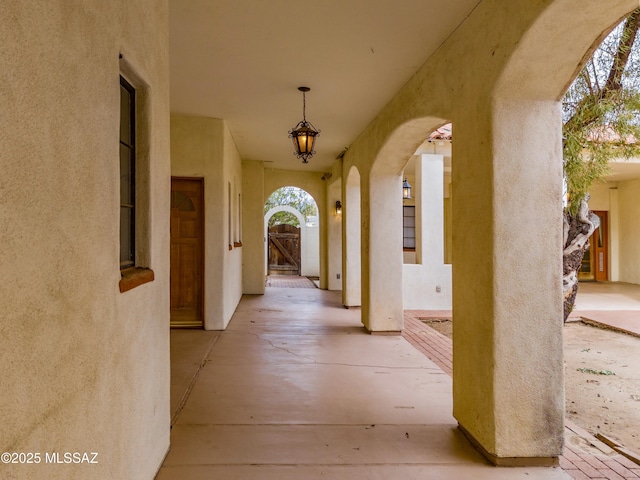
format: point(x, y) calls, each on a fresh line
point(507, 323)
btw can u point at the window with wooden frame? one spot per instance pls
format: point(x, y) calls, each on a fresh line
point(134, 173)
point(408, 227)
point(127, 175)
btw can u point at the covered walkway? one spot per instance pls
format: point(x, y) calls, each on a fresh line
point(295, 388)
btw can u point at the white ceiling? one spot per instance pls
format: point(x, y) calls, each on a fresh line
point(623, 170)
point(243, 60)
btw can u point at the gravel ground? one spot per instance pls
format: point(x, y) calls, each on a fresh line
point(602, 380)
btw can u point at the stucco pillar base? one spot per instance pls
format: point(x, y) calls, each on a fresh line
point(509, 461)
point(388, 333)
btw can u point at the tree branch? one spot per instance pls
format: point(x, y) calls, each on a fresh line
point(621, 58)
point(578, 120)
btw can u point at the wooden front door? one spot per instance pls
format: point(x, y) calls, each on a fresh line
point(284, 250)
point(595, 264)
point(187, 242)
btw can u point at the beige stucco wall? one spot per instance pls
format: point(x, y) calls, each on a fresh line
point(629, 230)
point(85, 368)
point(254, 241)
point(600, 196)
point(351, 239)
point(334, 236)
point(203, 147)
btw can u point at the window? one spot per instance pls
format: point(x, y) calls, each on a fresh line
point(409, 227)
point(134, 180)
point(127, 175)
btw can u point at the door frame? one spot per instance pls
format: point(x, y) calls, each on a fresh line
point(595, 252)
point(201, 239)
point(601, 268)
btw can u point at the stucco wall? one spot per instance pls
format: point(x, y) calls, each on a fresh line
point(599, 196)
point(85, 368)
point(629, 231)
point(311, 253)
point(334, 236)
point(254, 241)
point(203, 147)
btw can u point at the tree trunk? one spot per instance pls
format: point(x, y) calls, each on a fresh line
point(576, 232)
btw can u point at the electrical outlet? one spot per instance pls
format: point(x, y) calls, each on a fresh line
point(338, 276)
point(438, 289)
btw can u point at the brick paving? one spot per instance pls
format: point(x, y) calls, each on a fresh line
point(584, 457)
point(289, 281)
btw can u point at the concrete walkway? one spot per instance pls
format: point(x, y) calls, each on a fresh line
point(611, 304)
point(296, 389)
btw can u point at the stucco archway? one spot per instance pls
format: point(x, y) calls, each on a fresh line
point(503, 98)
point(309, 243)
point(351, 258)
point(501, 399)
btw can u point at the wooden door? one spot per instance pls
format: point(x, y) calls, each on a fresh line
point(284, 250)
point(600, 248)
point(187, 245)
point(595, 263)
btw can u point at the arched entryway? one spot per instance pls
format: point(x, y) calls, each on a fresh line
point(292, 234)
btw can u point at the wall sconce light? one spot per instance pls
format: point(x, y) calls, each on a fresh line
point(304, 134)
point(338, 207)
point(406, 190)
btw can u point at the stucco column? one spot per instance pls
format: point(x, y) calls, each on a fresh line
point(430, 210)
point(507, 265)
point(253, 236)
point(614, 235)
point(382, 253)
point(351, 257)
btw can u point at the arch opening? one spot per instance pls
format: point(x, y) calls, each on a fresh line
point(291, 228)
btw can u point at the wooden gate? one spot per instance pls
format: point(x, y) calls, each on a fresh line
point(284, 250)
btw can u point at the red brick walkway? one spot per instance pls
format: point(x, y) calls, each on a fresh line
point(289, 281)
point(585, 457)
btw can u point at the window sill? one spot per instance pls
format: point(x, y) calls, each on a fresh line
point(135, 276)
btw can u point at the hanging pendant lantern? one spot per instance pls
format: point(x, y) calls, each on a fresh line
point(304, 134)
point(406, 190)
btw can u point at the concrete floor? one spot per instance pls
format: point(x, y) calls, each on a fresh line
point(615, 305)
point(296, 389)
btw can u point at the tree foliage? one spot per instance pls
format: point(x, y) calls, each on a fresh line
point(601, 123)
point(601, 111)
point(294, 197)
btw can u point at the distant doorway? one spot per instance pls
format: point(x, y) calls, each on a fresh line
point(595, 263)
point(284, 250)
point(187, 241)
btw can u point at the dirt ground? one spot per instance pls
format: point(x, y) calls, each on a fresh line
point(602, 380)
